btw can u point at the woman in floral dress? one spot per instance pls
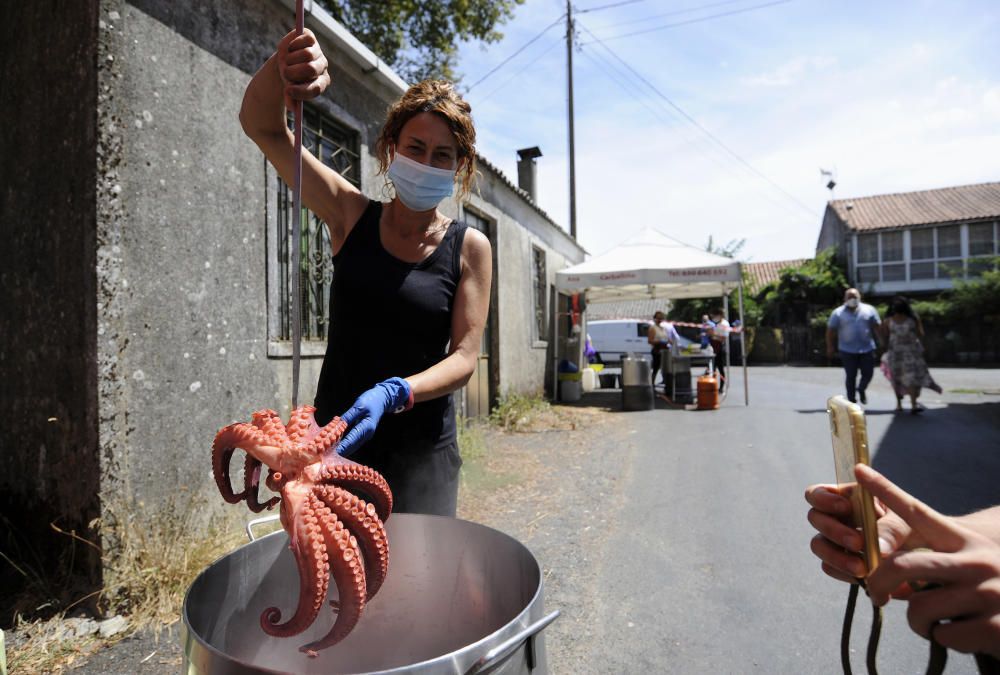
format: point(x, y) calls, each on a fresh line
point(902, 330)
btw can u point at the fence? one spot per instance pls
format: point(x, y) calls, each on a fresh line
point(963, 344)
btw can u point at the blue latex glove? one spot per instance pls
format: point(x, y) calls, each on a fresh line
point(391, 395)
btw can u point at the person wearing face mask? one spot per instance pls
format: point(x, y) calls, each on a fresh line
point(401, 258)
point(901, 332)
point(852, 329)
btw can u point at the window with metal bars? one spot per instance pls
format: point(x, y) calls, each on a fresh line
point(337, 146)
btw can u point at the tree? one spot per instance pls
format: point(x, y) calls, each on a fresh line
point(418, 38)
point(692, 310)
point(819, 282)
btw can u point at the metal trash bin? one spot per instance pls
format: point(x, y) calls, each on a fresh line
point(637, 385)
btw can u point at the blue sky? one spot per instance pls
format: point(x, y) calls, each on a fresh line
point(893, 96)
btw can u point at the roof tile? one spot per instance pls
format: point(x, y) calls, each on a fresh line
point(926, 207)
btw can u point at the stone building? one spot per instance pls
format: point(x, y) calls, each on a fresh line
point(145, 269)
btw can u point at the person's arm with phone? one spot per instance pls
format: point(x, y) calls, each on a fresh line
point(960, 555)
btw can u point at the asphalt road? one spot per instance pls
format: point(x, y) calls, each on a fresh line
point(705, 565)
point(675, 541)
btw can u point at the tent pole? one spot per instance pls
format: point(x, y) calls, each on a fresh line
point(743, 347)
point(725, 315)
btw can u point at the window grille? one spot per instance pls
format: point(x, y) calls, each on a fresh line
point(540, 294)
point(336, 146)
point(981, 239)
point(894, 272)
point(868, 273)
point(949, 252)
point(868, 248)
point(949, 242)
point(892, 246)
point(921, 270)
point(922, 244)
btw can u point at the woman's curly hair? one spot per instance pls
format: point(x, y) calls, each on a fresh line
point(438, 97)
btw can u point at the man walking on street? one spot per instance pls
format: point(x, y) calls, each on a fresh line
point(852, 329)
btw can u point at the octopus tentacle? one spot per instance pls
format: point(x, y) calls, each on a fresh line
point(301, 424)
point(251, 478)
point(226, 442)
point(270, 425)
point(359, 478)
point(306, 542)
point(348, 574)
point(359, 517)
point(324, 442)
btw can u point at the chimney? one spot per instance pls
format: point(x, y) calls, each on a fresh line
point(526, 170)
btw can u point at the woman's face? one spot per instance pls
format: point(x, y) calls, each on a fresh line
point(426, 138)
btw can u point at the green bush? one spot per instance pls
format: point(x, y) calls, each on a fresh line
point(515, 410)
point(977, 297)
point(803, 294)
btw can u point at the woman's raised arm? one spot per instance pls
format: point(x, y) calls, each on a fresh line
point(298, 71)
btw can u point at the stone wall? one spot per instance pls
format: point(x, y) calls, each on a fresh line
point(140, 225)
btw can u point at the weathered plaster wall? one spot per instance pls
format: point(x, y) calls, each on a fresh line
point(185, 234)
point(48, 440)
point(831, 233)
point(524, 361)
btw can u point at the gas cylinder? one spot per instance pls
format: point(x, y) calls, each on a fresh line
point(708, 393)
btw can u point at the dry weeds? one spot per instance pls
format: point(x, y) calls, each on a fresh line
point(155, 561)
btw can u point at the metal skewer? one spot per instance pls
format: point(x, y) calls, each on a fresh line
point(296, 252)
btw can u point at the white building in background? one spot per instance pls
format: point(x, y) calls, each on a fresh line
point(915, 242)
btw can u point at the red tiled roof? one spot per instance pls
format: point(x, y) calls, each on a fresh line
point(759, 274)
point(943, 205)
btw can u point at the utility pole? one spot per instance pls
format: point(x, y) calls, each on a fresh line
point(572, 144)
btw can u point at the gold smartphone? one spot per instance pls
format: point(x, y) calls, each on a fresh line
point(850, 447)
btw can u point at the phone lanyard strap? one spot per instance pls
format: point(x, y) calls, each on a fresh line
point(873, 636)
point(935, 663)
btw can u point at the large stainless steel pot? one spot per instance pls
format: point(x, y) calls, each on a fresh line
point(637, 386)
point(459, 598)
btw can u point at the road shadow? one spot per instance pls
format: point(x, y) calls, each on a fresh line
point(947, 457)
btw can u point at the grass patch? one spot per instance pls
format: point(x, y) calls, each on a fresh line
point(515, 412)
point(471, 441)
point(966, 391)
point(154, 564)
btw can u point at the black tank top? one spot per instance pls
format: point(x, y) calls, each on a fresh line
point(389, 318)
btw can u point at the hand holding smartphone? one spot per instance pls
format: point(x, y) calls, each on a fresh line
point(850, 446)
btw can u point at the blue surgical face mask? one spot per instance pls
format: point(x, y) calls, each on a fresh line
point(851, 303)
point(418, 186)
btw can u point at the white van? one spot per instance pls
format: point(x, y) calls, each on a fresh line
point(614, 339)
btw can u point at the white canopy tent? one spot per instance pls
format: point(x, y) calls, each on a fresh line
point(653, 265)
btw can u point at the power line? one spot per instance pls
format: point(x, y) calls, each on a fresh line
point(530, 63)
point(672, 13)
point(729, 151)
point(690, 21)
point(521, 49)
point(610, 6)
point(625, 82)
